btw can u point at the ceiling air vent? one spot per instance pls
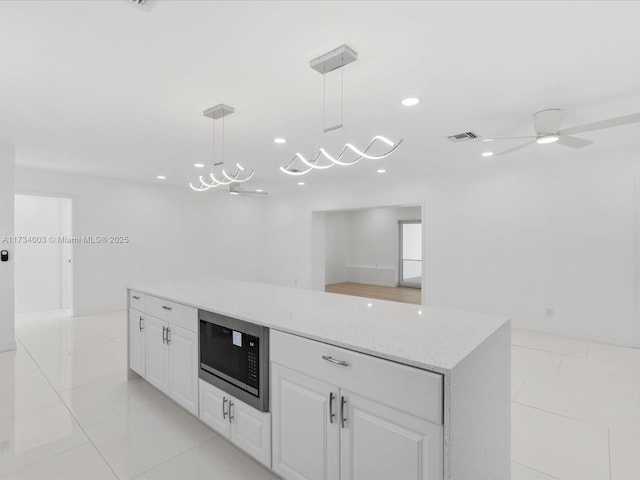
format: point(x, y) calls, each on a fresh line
point(461, 137)
point(139, 2)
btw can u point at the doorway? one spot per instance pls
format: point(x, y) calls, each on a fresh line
point(410, 253)
point(361, 253)
point(43, 254)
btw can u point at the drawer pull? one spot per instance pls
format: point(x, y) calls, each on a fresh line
point(136, 297)
point(166, 308)
point(331, 414)
point(337, 362)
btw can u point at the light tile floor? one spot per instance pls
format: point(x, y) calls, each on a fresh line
point(68, 412)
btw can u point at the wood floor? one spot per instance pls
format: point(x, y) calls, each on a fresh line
point(394, 294)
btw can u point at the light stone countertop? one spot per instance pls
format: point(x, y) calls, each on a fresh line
point(434, 339)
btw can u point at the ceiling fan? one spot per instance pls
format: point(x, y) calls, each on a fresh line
point(547, 126)
point(237, 190)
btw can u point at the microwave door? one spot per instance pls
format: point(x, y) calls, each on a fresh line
point(223, 352)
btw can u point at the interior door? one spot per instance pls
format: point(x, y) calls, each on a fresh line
point(379, 442)
point(411, 254)
point(305, 437)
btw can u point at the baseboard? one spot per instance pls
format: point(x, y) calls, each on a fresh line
point(8, 347)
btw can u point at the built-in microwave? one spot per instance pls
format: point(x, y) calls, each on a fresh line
point(234, 356)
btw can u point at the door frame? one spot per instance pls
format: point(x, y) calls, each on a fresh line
point(401, 282)
point(70, 281)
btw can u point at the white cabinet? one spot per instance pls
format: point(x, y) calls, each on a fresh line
point(243, 425)
point(183, 367)
point(157, 361)
point(338, 423)
point(172, 362)
point(305, 426)
point(137, 355)
point(381, 442)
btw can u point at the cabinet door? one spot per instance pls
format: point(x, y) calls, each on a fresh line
point(305, 438)
point(137, 354)
point(157, 353)
point(251, 431)
point(379, 442)
point(183, 367)
point(214, 408)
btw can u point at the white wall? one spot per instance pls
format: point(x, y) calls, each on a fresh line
point(174, 234)
point(550, 243)
point(39, 265)
point(7, 312)
point(362, 245)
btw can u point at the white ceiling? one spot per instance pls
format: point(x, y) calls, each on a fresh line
point(110, 88)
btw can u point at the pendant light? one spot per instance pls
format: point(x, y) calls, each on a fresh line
point(240, 176)
point(322, 160)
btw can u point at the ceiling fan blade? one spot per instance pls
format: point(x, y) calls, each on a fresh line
point(516, 148)
point(490, 139)
point(573, 142)
point(548, 121)
point(601, 125)
point(249, 193)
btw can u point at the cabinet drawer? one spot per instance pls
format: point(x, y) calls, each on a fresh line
point(172, 312)
point(415, 391)
point(137, 300)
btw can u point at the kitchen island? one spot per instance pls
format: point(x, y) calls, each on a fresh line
point(425, 391)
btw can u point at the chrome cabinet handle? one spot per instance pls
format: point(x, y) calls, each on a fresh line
point(331, 414)
point(140, 324)
point(136, 297)
point(231, 417)
point(166, 308)
point(164, 337)
point(168, 337)
point(343, 419)
point(224, 412)
point(337, 362)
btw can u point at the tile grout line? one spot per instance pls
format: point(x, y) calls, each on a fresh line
point(522, 385)
point(72, 416)
point(548, 351)
point(536, 470)
point(215, 436)
point(559, 415)
point(609, 446)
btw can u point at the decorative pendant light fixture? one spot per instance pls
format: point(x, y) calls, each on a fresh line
point(299, 165)
point(240, 175)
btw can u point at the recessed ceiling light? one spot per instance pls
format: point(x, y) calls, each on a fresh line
point(548, 139)
point(410, 101)
point(198, 165)
point(300, 183)
point(161, 177)
point(369, 304)
point(487, 154)
point(381, 170)
point(487, 139)
point(280, 140)
point(259, 190)
point(233, 193)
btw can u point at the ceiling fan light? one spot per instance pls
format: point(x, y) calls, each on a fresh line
point(548, 139)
